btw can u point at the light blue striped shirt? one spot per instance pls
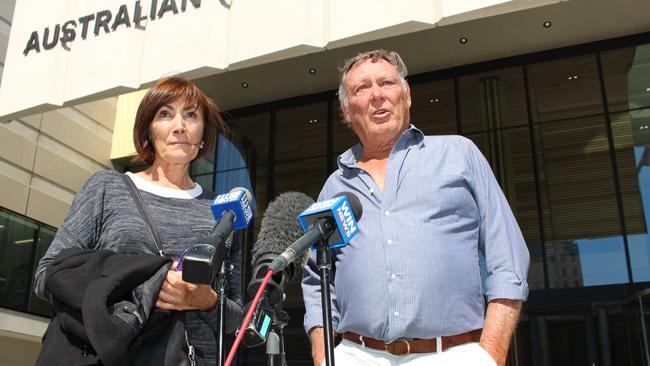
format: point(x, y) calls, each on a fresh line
point(412, 270)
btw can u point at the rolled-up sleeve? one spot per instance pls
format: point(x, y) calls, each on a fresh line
point(500, 239)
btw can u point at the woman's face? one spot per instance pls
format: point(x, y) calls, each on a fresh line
point(176, 132)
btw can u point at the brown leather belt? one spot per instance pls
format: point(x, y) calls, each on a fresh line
point(405, 347)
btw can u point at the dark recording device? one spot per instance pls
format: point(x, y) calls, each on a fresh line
point(279, 226)
point(260, 324)
point(202, 261)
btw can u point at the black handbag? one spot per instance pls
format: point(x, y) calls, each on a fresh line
point(163, 340)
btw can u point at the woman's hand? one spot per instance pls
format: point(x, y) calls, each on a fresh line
point(176, 294)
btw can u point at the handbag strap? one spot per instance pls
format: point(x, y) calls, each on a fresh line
point(144, 211)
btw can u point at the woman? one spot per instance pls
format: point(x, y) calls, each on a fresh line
point(175, 124)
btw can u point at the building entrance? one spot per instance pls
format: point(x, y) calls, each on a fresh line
point(593, 336)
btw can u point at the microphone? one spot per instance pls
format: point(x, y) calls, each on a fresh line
point(200, 263)
point(334, 220)
point(279, 226)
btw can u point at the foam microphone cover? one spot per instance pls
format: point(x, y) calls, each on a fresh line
point(280, 226)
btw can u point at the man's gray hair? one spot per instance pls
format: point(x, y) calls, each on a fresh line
point(391, 57)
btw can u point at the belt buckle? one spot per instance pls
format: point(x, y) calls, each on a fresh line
point(408, 347)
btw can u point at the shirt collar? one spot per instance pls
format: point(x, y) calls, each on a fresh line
point(412, 136)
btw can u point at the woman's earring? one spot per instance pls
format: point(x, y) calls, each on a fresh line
point(201, 145)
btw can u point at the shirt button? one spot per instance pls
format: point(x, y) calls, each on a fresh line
point(393, 276)
point(389, 241)
point(387, 213)
point(396, 313)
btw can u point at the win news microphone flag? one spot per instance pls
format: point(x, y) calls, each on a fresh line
point(201, 262)
point(334, 220)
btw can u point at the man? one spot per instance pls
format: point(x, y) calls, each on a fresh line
point(408, 290)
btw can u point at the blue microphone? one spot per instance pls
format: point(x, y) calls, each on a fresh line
point(334, 220)
point(200, 263)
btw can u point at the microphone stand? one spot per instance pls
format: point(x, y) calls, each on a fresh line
point(324, 260)
point(221, 290)
point(275, 341)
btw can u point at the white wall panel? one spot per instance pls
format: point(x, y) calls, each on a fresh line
point(267, 31)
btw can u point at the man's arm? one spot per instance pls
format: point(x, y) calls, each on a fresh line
point(317, 337)
point(500, 323)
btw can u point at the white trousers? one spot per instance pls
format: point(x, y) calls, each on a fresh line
point(348, 353)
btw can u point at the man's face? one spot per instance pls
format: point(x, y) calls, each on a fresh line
point(378, 105)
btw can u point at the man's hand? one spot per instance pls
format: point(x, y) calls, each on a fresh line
point(176, 294)
point(500, 323)
point(317, 337)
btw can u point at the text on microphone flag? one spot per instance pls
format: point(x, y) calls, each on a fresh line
point(237, 202)
point(338, 209)
point(347, 220)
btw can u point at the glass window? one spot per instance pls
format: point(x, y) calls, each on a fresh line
point(205, 181)
point(344, 138)
point(242, 159)
point(36, 304)
point(306, 176)
point(581, 219)
point(493, 100)
point(509, 153)
point(627, 77)
point(17, 243)
point(433, 107)
point(565, 88)
point(632, 144)
point(536, 268)
point(301, 132)
point(204, 164)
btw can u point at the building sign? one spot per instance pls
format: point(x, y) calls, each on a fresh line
point(67, 52)
point(103, 21)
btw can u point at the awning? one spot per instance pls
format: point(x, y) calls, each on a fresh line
point(67, 52)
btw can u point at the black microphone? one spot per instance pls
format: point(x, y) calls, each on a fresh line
point(200, 263)
point(324, 219)
point(278, 228)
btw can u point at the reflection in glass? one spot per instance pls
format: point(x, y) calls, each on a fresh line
point(301, 132)
point(581, 219)
point(251, 136)
point(509, 154)
point(602, 261)
point(343, 136)
point(17, 236)
point(627, 77)
point(493, 100)
point(565, 88)
point(433, 107)
point(36, 304)
point(632, 142)
point(637, 322)
point(204, 164)
point(205, 181)
point(536, 269)
point(306, 175)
